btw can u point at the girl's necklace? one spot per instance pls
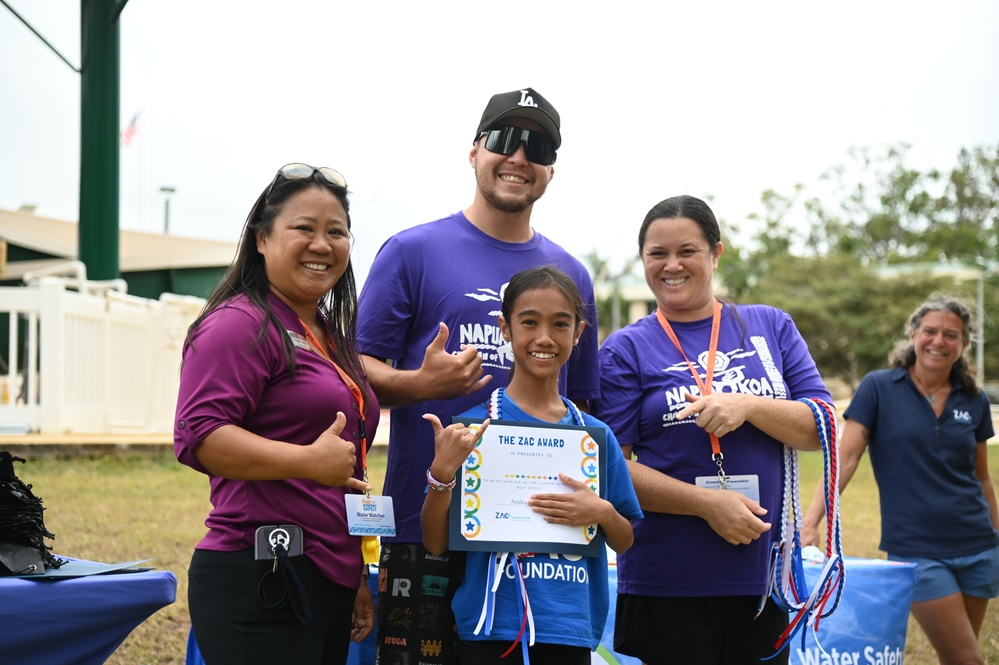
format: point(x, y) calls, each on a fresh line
point(931, 395)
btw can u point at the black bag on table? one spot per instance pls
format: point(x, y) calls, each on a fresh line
point(22, 531)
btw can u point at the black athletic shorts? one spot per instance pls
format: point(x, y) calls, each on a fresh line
point(490, 652)
point(710, 630)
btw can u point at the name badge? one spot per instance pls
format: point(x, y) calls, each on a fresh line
point(299, 340)
point(370, 515)
point(748, 486)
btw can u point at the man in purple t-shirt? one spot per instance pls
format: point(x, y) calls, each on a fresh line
point(429, 307)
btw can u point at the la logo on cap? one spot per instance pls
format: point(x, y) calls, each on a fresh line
point(526, 99)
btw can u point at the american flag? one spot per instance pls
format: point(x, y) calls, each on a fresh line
point(129, 132)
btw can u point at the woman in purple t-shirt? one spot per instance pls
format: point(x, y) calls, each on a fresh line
point(696, 390)
point(274, 408)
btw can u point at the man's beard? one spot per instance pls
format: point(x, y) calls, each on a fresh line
point(505, 204)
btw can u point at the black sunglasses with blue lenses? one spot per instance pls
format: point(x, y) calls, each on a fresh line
point(505, 140)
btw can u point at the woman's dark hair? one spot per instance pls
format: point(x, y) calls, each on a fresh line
point(540, 278)
point(904, 353)
point(689, 207)
point(246, 276)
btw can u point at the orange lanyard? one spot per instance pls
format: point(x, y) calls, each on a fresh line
point(354, 390)
point(703, 384)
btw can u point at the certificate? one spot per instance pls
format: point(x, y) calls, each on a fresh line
point(512, 461)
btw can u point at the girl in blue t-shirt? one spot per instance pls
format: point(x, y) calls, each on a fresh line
point(542, 319)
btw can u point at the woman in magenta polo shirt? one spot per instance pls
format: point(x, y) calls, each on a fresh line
point(273, 408)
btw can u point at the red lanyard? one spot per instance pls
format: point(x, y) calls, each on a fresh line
point(354, 390)
point(703, 384)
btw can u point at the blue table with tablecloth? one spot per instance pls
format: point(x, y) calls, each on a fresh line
point(869, 626)
point(65, 618)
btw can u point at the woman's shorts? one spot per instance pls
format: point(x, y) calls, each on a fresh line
point(711, 630)
point(973, 575)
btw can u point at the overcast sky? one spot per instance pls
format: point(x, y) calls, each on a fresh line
point(718, 100)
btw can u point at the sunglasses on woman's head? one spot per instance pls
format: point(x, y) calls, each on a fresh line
point(300, 171)
point(538, 148)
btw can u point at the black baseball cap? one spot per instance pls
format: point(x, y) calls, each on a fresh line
point(524, 103)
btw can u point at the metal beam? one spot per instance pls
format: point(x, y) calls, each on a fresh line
point(99, 122)
point(39, 35)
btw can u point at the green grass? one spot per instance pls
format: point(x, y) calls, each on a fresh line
point(127, 507)
point(860, 515)
point(130, 506)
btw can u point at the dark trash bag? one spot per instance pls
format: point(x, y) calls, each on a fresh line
point(22, 531)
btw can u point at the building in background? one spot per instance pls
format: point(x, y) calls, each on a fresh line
point(151, 263)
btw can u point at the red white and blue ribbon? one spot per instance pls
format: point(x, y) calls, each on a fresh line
point(787, 579)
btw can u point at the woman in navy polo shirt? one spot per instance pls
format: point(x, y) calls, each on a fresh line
point(926, 423)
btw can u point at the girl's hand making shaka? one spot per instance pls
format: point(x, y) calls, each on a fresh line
point(452, 446)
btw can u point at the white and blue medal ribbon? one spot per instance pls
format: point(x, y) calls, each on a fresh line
point(497, 560)
point(787, 584)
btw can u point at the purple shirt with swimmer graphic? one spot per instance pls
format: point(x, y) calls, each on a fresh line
point(643, 382)
point(450, 271)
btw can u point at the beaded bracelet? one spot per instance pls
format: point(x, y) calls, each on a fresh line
point(438, 486)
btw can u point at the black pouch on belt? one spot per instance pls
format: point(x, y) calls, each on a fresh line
point(281, 584)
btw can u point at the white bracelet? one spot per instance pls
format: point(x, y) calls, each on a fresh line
point(438, 486)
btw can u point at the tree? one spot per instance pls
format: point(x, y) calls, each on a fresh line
point(964, 221)
point(818, 256)
point(607, 320)
point(849, 316)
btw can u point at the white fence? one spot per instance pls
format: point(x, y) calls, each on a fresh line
point(84, 362)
